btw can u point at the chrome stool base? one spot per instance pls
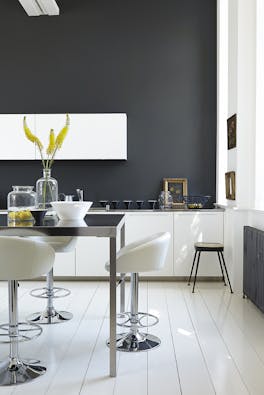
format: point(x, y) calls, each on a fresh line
point(15, 371)
point(53, 317)
point(26, 331)
point(135, 342)
point(50, 315)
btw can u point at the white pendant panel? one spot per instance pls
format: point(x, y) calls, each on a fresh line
point(90, 136)
point(14, 144)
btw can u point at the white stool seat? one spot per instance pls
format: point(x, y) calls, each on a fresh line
point(208, 245)
point(144, 255)
point(20, 259)
point(59, 243)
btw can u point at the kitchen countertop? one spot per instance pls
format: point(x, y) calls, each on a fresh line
point(102, 210)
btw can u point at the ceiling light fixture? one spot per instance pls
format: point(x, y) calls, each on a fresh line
point(40, 7)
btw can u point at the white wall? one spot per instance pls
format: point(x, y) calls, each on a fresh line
point(240, 99)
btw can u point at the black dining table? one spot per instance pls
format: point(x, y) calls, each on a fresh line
point(93, 225)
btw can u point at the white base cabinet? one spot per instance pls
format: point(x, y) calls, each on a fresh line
point(64, 264)
point(190, 228)
point(186, 228)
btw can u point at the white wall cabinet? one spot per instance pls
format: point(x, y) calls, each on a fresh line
point(91, 136)
point(139, 225)
point(14, 144)
point(189, 228)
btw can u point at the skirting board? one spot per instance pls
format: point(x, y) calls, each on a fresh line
point(145, 278)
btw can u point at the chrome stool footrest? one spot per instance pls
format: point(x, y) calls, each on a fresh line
point(45, 293)
point(50, 317)
point(134, 342)
point(26, 332)
point(125, 320)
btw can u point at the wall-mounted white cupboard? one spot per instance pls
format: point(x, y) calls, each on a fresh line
point(91, 136)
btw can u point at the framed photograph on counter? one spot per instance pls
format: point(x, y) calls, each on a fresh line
point(178, 187)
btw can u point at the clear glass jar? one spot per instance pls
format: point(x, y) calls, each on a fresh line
point(165, 200)
point(47, 190)
point(19, 203)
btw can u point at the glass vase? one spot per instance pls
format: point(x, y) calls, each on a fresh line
point(47, 190)
point(19, 203)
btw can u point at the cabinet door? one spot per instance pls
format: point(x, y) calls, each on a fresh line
point(90, 136)
point(14, 144)
point(142, 225)
point(190, 228)
point(64, 264)
point(91, 255)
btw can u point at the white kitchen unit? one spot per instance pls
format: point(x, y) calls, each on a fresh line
point(140, 225)
point(64, 264)
point(91, 255)
point(186, 228)
point(90, 136)
point(14, 144)
point(191, 227)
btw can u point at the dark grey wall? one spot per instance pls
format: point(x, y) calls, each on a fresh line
point(152, 59)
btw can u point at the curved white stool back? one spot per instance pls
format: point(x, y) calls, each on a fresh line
point(145, 255)
point(20, 259)
point(50, 315)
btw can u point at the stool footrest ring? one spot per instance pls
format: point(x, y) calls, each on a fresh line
point(126, 320)
point(26, 332)
point(45, 293)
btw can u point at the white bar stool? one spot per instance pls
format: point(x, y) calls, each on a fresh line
point(142, 256)
point(50, 315)
point(20, 259)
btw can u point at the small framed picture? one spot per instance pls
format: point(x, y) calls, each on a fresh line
point(230, 182)
point(231, 132)
point(178, 187)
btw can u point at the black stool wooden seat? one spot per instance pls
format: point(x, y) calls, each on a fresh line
point(214, 247)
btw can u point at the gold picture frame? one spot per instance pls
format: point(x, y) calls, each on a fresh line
point(178, 187)
point(231, 132)
point(230, 183)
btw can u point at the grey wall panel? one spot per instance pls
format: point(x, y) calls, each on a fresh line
point(154, 60)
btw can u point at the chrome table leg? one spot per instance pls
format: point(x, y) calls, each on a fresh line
point(122, 275)
point(112, 342)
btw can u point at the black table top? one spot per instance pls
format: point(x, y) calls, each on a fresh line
point(99, 225)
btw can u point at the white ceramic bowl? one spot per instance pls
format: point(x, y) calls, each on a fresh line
point(71, 210)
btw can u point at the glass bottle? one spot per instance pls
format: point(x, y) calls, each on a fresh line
point(19, 203)
point(47, 190)
point(165, 200)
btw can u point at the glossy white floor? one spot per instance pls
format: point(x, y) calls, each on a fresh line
point(212, 342)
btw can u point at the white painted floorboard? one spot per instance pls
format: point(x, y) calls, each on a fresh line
point(212, 343)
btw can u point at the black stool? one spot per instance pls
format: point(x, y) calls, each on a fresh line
point(217, 247)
